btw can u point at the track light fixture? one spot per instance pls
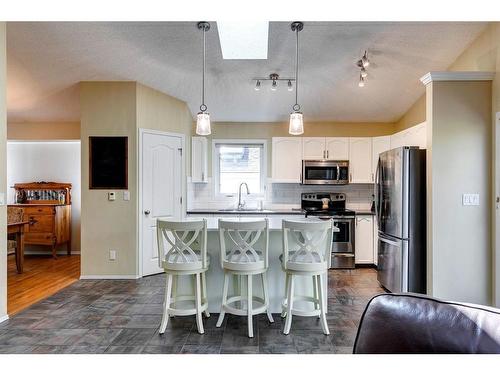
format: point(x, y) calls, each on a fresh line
point(362, 64)
point(275, 79)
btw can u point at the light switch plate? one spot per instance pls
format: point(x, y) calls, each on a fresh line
point(112, 254)
point(470, 199)
point(2, 199)
point(111, 196)
point(126, 195)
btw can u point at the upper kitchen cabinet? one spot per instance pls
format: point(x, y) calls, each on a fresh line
point(414, 136)
point(337, 148)
point(313, 148)
point(360, 160)
point(199, 155)
point(287, 160)
point(379, 145)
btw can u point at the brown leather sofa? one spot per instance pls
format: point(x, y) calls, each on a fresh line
point(409, 323)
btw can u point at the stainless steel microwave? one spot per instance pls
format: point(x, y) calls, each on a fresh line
point(325, 172)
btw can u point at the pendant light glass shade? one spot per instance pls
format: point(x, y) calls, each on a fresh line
point(203, 124)
point(296, 123)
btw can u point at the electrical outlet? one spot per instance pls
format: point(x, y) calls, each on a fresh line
point(111, 196)
point(126, 195)
point(112, 254)
point(470, 199)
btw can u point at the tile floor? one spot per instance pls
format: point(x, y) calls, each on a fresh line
point(112, 316)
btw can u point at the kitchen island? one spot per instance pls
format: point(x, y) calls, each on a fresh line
point(276, 276)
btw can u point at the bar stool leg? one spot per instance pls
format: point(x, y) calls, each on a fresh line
point(204, 292)
point(249, 306)
point(197, 293)
point(322, 298)
point(175, 279)
point(166, 304)
point(289, 306)
point(224, 300)
point(316, 296)
point(283, 308)
point(266, 297)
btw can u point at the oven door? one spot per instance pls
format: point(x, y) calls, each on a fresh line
point(343, 240)
point(324, 172)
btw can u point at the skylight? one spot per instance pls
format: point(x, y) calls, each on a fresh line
point(243, 40)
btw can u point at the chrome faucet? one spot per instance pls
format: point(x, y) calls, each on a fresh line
point(240, 204)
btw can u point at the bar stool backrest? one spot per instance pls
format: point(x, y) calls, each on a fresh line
point(307, 242)
point(178, 240)
point(242, 241)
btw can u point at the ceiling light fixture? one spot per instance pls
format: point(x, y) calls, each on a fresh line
point(364, 73)
point(296, 126)
point(274, 78)
point(365, 60)
point(361, 81)
point(203, 118)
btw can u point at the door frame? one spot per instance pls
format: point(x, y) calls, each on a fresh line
point(495, 256)
point(141, 133)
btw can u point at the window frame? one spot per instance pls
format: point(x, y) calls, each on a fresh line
point(216, 173)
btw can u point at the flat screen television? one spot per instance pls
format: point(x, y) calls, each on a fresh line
point(108, 162)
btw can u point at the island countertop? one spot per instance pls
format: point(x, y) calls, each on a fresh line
point(214, 211)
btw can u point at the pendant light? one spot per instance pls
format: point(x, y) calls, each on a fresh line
point(296, 126)
point(203, 117)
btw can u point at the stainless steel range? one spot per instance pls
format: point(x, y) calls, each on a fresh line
point(332, 206)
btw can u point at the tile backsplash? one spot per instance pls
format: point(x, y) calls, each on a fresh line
point(277, 196)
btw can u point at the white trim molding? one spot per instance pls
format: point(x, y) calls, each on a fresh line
point(4, 318)
point(109, 277)
point(457, 76)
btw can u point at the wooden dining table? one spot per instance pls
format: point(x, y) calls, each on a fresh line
point(18, 229)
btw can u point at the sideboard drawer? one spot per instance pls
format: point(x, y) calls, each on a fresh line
point(41, 223)
point(39, 238)
point(39, 210)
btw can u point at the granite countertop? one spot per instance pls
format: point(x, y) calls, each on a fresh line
point(211, 211)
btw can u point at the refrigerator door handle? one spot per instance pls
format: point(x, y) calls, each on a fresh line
point(377, 193)
point(390, 242)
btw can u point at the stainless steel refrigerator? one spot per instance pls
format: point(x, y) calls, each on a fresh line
point(400, 206)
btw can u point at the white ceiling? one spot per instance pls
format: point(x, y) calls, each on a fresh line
point(47, 60)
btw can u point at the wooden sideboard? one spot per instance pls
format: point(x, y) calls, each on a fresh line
point(49, 218)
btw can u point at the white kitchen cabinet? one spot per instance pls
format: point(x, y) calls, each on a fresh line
point(337, 148)
point(364, 239)
point(360, 160)
point(287, 160)
point(199, 156)
point(414, 136)
point(313, 148)
point(398, 139)
point(379, 145)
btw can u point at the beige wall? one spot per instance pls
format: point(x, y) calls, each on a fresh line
point(267, 130)
point(415, 115)
point(108, 108)
point(459, 123)
point(3, 171)
point(46, 131)
point(119, 108)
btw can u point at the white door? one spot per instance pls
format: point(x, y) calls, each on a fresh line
point(161, 191)
point(379, 145)
point(364, 240)
point(360, 160)
point(313, 148)
point(287, 160)
point(337, 148)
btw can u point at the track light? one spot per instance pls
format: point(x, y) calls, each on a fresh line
point(364, 73)
point(257, 86)
point(361, 81)
point(290, 87)
point(274, 78)
point(274, 85)
point(365, 60)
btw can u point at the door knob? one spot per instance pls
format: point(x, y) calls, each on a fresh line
point(147, 212)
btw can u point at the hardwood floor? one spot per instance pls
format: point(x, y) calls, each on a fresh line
point(42, 277)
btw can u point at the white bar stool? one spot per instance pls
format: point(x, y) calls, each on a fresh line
point(244, 252)
point(306, 252)
point(181, 260)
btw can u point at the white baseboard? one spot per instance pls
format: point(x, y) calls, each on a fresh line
point(3, 318)
point(109, 277)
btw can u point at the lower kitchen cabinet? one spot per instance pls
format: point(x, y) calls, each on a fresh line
point(364, 239)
